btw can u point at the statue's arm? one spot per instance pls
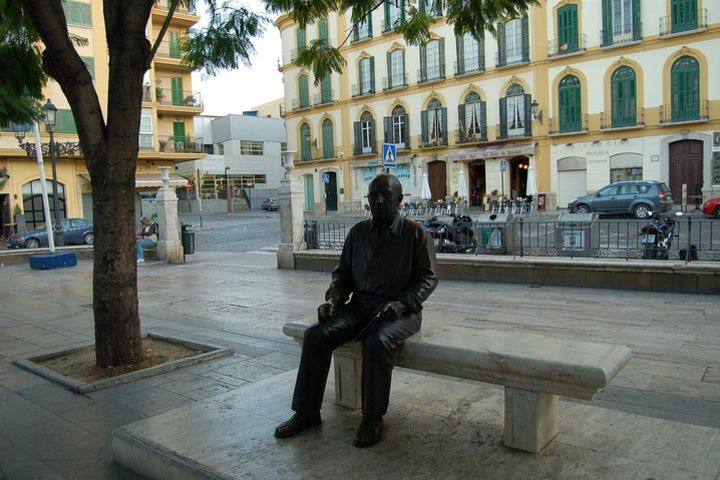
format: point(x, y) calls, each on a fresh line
point(342, 281)
point(424, 277)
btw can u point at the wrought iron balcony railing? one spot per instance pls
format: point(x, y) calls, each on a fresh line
point(623, 119)
point(431, 74)
point(688, 112)
point(394, 82)
point(324, 98)
point(574, 124)
point(179, 98)
point(463, 136)
point(686, 22)
point(511, 56)
point(178, 144)
point(620, 34)
point(361, 89)
point(557, 48)
point(469, 65)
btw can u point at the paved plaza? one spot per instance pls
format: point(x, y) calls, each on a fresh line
point(659, 418)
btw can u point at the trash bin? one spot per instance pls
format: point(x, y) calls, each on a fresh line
point(496, 233)
point(188, 239)
point(311, 236)
point(576, 234)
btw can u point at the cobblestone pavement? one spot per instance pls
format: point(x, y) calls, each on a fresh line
point(241, 300)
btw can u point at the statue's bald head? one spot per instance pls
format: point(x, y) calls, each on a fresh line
point(391, 181)
point(384, 196)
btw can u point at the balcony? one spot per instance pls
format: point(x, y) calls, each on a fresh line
point(687, 23)
point(630, 119)
point(359, 150)
point(146, 141)
point(173, 144)
point(697, 111)
point(577, 124)
point(432, 142)
point(178, 98)
point(165, 5)
point(295, 52)
point(323, 99)
point(512, 56)
point(362, 89)
point(169, 49)
point(394, 82)
point(461, 136)
point(470, 65)
point(300, 103)
point(431, 74)
point(512, 135)
point(556, 49)
point(620, 35)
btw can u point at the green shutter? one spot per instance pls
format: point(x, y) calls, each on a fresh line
point(684, 15)
point(303, 87)
point(389, 71)
point(460, 55)
point(423, 62)
point(570, 109)
point(174, 39)
point(323, 28)
point(327, 134)
point(176, 89)
point(424, 126)
point(441, 49)
point(300, 40)
point(525, 39)
point(369, 26)
point(325, 90)
point(387, 16)
point(685, 89)
point(607, 19)
point(502, 54)
point(636, 20)
point(503, 117)
point(305, 153)
point(567, 29)
point(372, 74)
point(179, 135)
point(90, 64)
point(623, 97)
point(65, 122)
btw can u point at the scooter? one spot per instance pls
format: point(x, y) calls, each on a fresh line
point(657, 237)
point(451, 233)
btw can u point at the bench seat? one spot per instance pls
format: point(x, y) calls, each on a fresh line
point(534, 370)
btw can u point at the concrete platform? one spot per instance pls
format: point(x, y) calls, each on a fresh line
point(437, 427)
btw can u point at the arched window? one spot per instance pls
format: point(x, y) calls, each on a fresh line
point(515, 113)
point(623, 97)
point(304, 100)
point(434, 124)
point(394, 13)
point(685, 89)
point(328, 142)
point(472, 118)
point(432, 61)
point(366, 73)
point(569, 101)
point(305, 141)
point(365, 134)
point(397, 128)
point(33, 206)
point(396, 69)
point(470, 54)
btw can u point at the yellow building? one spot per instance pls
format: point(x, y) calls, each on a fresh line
point(166, 131)
point(569, 97)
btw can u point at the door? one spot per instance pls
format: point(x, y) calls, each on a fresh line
point(176, 90)
point(477, 183)
point(438, 180)
point(179, 136)
point(686, 163)
point(309, 193)
point(567, 29)
point(571, 184)
point(518, 177)
point(331, 196)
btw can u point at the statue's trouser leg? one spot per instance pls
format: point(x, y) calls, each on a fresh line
point(319, 342)
point(378, 349)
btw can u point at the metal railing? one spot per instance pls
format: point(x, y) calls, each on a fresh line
point(320, 99)
point(359, 90)
point(178, 144)
point(146, 141)
point(512, 56)
point(681, 24)
point(169, 49)
point(431, 74)
point(469, 66)
point(165, 5)
point(432, 142)
point(509, 135)
point(392, 83)
point(179, 98)
point(621, 34)
point(365, 151)
point(300, 103)
point(295, 52)
point(578, 124)
point(528, 235)
point(463, 136)
point(624, 120)
point(694, 111)
point(556, 48)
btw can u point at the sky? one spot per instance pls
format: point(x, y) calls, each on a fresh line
point(246, 87)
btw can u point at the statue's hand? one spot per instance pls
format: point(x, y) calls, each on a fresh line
point(325, 312)
point(392, 311)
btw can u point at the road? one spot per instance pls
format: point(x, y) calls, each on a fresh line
point(237, 232)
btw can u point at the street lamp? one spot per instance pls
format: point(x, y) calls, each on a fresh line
point(535, 110)
point(50, 116)
point(228, 191)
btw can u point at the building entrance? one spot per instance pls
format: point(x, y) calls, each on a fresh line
point(438, 180)
point(477, 182)
point(686, 167)
point(331, 195)
point(518, 177)
point(6, 221)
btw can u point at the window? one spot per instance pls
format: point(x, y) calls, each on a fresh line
point(396, 69)
point(323, 29)
point(304, 100)
point(567, 18)
point(472, 118)
point(176, 90)
point(685, 89)
point(623, 97)
point(325, 89)
point(431, 7)
point(77, 13)
point(515, 113)
point(397, 129)
point(174, 44)
point(365, 134)
point(394, 14)
point(621, 21)
point(432, 61)
point(251, 147)
point(90, 64)
point(64, 121)
point(434, 124)
point(328, 142)
point(305, 151)
point(628, 174)
point(300, 38)
point(33, 206)
point(221, 149)
point(684, 15)
point(146, 138)
point(569, 100)
point(513, 44)
point(470, 54)
point(367, 75)
point(363, 29)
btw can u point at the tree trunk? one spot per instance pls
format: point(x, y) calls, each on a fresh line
point(110, 151)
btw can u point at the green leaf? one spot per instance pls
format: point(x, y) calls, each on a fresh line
point(321, 59)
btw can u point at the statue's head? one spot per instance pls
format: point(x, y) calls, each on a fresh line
point(385, 195)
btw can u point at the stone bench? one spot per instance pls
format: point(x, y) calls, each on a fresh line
point(534, 370)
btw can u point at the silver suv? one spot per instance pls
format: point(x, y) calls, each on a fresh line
point(641, 198)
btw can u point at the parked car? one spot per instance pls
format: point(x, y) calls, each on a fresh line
point(271, 203)
point(712, 207)
point(641, 198)
point(75, 231)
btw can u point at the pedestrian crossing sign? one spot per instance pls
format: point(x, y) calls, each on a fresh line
point(389, 155)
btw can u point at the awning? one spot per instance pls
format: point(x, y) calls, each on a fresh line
point(149, 180)
point(495, 151)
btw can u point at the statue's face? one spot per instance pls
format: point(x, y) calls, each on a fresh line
point(384, 197)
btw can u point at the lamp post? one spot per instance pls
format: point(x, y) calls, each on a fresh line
point(228, 190)
point(50, 116)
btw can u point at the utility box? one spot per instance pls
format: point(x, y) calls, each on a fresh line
point(577, 234)
point(495, 233)
point(188, 239)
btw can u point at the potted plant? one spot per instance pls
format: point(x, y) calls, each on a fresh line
point(190, 101)
point(159, 94)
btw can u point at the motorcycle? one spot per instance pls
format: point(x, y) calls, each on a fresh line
point(451, 233)
point(657, 237)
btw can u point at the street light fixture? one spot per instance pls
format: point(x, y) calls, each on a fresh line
point(50, 117)
point(535, 110)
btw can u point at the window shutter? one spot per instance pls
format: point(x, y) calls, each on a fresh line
point(406, 130)
point(461, 119)
point(369, 25)
point(387, 15)
point(636, 20)
point(460, 53)
point(481, 53)
point(300, 39)
point(443, 126)
point(304, 100)
point(503, 117)
point(356, 34)
point(423, 63)
point(483, 119)
point(176, 90)
point(607, 32)
point(174, 38)
point(323, 26)
point(372, 74)
point(389, 71)
point(424, 126)
point(387, 127)
point(357, 126)
point(85, 14)
point(90, 64)
point(65, 122)
point(325, 89)
point(402, 10)
point(373, 139)
point(501, 44)
point(442, 58)
point(525, 40)
point(528, 112)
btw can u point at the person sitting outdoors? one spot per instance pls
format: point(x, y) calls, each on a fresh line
point(147, 237)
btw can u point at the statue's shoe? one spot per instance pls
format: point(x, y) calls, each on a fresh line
point(296, 424)
point(369, 432)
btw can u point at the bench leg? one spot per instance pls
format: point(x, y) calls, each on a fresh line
point(531, 419)
point(348, 374)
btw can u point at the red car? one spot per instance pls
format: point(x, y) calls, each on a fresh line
point(712, 207)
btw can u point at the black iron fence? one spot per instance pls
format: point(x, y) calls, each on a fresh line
point(502, 234)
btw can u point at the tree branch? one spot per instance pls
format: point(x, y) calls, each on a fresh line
point(360, 21)
point(163, 29)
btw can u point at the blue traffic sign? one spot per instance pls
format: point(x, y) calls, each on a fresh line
point(503, 165)
point(326, 178)
point(389, 155)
